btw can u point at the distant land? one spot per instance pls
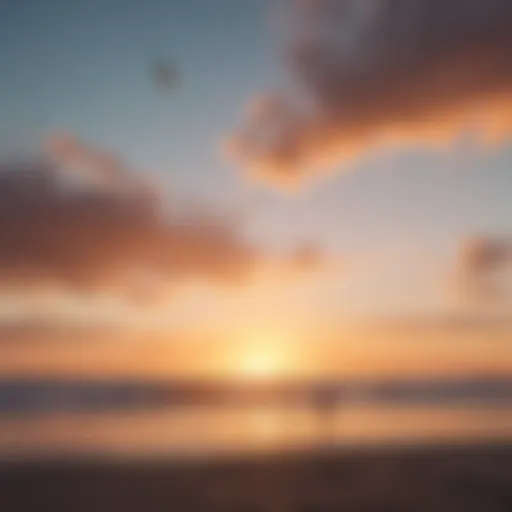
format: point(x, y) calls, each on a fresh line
point(32, 395)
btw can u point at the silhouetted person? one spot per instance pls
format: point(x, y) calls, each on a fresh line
point(325, 403)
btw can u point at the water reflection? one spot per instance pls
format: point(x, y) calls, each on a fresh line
point(208, 430)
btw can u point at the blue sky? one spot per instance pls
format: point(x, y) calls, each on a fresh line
point(85, 67)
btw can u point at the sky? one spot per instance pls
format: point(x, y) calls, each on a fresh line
point(380, 226)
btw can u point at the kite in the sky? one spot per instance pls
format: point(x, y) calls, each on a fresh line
point(165, 74)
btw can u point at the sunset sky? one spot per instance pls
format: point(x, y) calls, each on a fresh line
point(357, 220)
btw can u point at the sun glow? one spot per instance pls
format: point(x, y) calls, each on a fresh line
point(260, 365)
point(267, 358)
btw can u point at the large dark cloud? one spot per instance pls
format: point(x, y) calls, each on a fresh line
point(371, 72)
point(105, 229)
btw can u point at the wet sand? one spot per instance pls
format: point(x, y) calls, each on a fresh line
point(464, 478)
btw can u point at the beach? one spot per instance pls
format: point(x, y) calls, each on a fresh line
point(468, 477)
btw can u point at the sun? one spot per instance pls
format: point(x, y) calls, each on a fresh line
point(261, 364)
point(262, 358)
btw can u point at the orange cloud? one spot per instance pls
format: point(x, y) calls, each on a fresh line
point(370, 73)
point(83, 222)
point(118, 238)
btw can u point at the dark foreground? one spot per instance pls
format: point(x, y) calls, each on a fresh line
point(466, 479)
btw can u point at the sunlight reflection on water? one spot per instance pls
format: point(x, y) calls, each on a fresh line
point(207, 430)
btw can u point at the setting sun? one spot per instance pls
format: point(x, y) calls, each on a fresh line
point(262, 357)
point(261, 364)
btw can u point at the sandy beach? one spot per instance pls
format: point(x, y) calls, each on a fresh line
point(466, 478)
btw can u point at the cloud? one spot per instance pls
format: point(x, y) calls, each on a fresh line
point(484, 264)
point(305, 257)
point(443, 322)
point(99, 168)
point(373, 72)
point(86, 237)
point(79, 220)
